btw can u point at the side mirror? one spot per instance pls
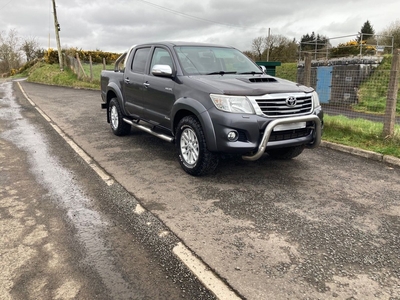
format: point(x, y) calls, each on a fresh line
point(162, 70)
point(264, 69)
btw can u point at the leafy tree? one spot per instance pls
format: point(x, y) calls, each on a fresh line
point(367, 32)
point(351, 48)
point(313, 42)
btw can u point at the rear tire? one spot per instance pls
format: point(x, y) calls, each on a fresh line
point(118, 126)
point(286, 153)
point(193, 154)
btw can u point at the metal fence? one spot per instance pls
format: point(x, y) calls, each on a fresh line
point(356, 87)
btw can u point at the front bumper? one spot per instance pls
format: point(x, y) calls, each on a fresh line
point(317, 133)
point(256, 133)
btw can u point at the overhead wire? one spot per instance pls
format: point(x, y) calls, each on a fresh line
point(191, 16)
point(5, 4)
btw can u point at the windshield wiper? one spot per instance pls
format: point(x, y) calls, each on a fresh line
point(220, 73)
point(251, 72)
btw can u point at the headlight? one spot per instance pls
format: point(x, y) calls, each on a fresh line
point(232, 104)
point(315, 100)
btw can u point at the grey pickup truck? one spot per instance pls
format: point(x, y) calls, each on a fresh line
point(208, 100)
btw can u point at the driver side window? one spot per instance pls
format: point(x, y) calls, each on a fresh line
point(161, 57)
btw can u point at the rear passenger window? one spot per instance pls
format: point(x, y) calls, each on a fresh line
point(140, 59)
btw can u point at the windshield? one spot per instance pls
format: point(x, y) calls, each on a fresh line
point(202, 60)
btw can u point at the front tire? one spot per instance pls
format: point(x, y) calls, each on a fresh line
point(194, 157)
point(118, 126)
point(286, 153)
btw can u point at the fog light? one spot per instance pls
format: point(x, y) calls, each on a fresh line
point(233, 136)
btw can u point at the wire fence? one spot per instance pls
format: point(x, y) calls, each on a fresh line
point(356, 87)
point(85, 70)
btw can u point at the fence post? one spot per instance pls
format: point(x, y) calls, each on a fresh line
point(77, 69)
point(390, 113)
point(307, 69)
point(104, 63)
point(91, 68)
point(80, 65)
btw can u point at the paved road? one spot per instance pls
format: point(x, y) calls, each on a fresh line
point(324, 225)
point(56, 242)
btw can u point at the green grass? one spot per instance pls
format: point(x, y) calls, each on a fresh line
point(51, 74)
point(362, 134)
point(373, 92)
point(96, 69)
point(287, 71)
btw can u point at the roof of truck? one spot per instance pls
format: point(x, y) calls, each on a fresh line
point(181, 43)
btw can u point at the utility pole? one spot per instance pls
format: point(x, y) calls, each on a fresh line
point(268, 42)
point(57, 29)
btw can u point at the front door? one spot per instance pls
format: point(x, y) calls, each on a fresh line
point(158, 96)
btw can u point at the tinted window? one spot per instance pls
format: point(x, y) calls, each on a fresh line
point(161, 57)
point(139, 61)
point(207, 60)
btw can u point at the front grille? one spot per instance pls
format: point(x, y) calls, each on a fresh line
point(289, 134)
point(274, 105)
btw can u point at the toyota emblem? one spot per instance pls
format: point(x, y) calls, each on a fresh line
point(291, 101)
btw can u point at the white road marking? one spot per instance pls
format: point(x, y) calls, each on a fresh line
point(207, 277)
point(196, 266)
point(103, 175)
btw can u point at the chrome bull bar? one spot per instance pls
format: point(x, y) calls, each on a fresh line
point(270, 127)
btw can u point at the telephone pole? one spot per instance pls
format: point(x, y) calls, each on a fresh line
point(57, 30)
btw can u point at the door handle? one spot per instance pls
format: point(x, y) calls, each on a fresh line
point(127, 80)
point(146, 85)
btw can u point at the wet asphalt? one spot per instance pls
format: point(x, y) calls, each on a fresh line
point(56, 240)
point(322, 226)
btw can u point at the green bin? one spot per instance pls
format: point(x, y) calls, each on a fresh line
point(270, 66)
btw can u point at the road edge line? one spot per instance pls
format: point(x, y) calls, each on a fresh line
point(207, 277)
point(78, 150)
point(203, 273)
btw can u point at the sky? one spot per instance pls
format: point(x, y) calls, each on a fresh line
point(114, 26)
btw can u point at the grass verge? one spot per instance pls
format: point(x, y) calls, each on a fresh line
point(51, 74)
point(362, 134)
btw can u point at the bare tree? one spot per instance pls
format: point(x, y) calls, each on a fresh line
point(10, 54)
point(258, 46)
point(30, 47)
point(281, 48)
point(393, 30)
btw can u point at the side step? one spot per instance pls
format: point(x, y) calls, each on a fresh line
point(147, 129)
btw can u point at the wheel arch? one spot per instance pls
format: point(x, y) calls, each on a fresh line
point(187, 106)
point(113, 91)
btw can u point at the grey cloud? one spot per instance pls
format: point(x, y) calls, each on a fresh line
point(115, 25)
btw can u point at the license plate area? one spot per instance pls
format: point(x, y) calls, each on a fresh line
point(290, 126)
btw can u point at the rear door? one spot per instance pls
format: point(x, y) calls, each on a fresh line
point(158, 95)
point(133, 82)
